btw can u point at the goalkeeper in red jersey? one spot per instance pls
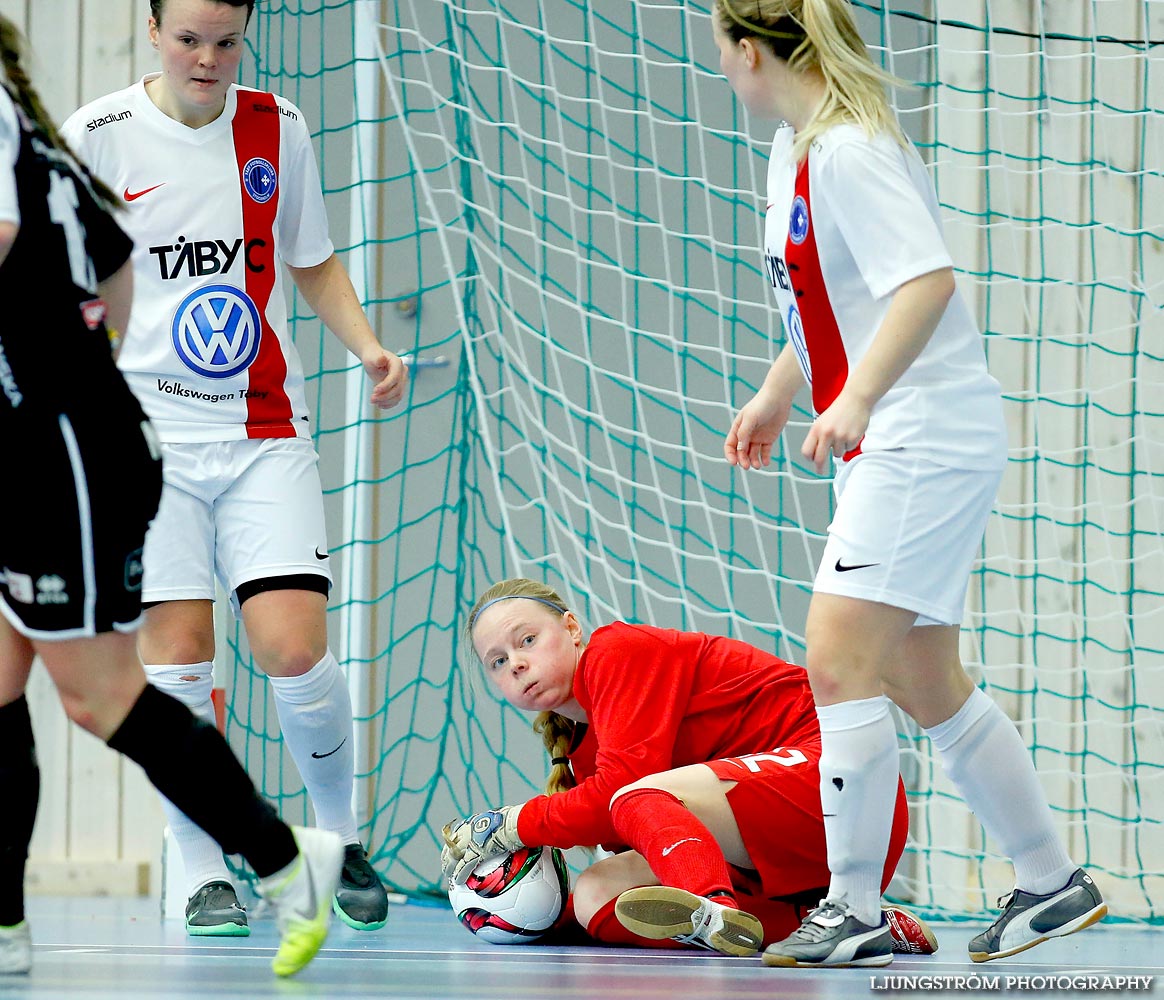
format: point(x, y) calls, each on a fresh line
point(692, 757)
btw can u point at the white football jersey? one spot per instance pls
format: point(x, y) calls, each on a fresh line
point(214, 213)
point(844, 229)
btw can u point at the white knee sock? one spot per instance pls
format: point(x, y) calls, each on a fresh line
point(201, 856)
point(986, 760)
point(315, 714)
point(858, 793)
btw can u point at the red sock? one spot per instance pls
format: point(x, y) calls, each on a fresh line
point(604, 927)
point(679, 849)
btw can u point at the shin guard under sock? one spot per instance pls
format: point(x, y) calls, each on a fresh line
point(192, 684)
point(189, 762)
point(858, 789)
point(315, 715)
point(986, 758)
point(679, 849)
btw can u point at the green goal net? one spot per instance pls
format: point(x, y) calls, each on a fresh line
point(554, 208)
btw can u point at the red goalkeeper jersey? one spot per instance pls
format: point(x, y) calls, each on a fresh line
point(658, 699)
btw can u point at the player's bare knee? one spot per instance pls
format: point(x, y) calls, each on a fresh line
point(828, 684)
point(180, 653)
point(82, 709)
point(591, 894)
point(175, 645)
point(177, 632)
point(292, 657)
point(651, 782)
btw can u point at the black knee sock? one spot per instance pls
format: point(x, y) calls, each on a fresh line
point(189, 762)
point(20, 793)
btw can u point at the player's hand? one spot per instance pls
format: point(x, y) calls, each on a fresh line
point(471, 841)
point(838, 430)
point(389, 375)
point(755, 430)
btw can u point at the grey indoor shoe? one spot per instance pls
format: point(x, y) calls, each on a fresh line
point(214, 911)
point(831, 935)
point(360, 901)
point(1027, 920)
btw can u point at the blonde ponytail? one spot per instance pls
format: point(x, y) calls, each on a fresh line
point(557, 733)
point(855, 86)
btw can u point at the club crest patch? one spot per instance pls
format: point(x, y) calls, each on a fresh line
point(259, 179)
point(798, 220)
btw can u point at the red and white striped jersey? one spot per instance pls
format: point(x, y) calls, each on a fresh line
point(214, 212)
point(844, 229)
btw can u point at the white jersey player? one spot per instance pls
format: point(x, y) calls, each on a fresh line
point(222, 197)
point(902, 398)
point(843, 230)
point(215, 212)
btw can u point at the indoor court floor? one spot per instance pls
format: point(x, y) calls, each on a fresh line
point(114, 949)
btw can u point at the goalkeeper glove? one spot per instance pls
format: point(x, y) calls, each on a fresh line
point(481, 836)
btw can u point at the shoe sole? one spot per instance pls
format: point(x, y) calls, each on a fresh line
point(218, 930)
point(357, 925)
point(661, 912)
point(787, 962)
point(1086, 920)
point(896, 916)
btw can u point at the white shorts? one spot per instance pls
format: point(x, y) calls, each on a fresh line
point(905, 533)
point(238, 511)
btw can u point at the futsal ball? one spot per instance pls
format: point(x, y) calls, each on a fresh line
point(514, 898)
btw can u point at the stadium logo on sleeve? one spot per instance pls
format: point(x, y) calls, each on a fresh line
point(260, 179)
point(116, 116)
point(798, 220)
point(216, 331)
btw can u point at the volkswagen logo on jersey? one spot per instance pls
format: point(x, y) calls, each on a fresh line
point(216, 331)
point(798, 220)
point(259, 179)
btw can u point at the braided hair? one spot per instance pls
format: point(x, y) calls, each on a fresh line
point(557, 733)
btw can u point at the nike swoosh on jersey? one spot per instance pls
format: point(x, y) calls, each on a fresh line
point(134, 195)
point(845, 569)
